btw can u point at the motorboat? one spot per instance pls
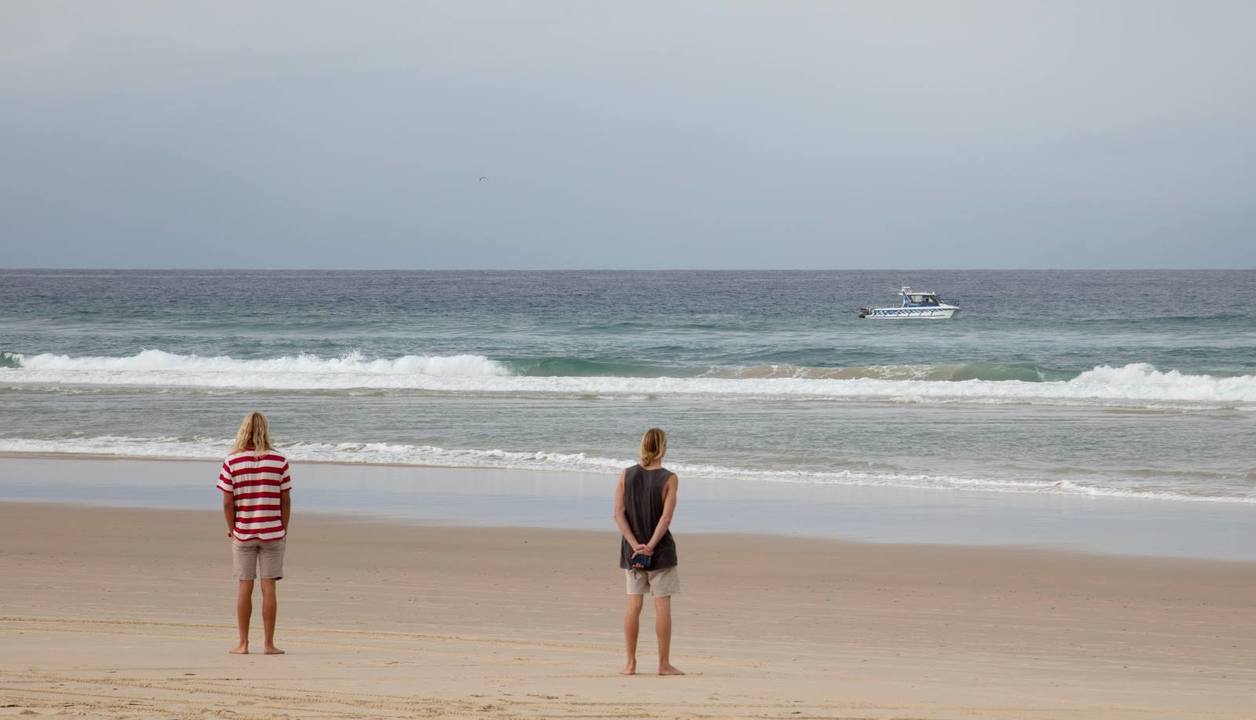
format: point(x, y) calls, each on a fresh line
point(917, 304)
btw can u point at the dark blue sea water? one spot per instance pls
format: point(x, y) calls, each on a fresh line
point(1108, 383)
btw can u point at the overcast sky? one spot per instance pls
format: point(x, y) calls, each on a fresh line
point(627, 135)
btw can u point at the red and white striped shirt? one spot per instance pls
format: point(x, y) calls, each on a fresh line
point(257, 482)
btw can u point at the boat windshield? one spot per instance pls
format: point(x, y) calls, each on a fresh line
point(923, 299)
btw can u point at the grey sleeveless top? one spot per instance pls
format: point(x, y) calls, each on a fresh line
point(643, 503)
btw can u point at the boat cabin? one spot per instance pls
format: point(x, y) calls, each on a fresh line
point(912, 298)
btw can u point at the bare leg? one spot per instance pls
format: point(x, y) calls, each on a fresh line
point(632, 625)
point(244, 612)
point(663, 629)
point(270, 609)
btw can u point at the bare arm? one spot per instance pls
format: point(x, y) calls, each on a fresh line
point(669, 509)
point(621, 515)
point(285, 508)
point(228, 511)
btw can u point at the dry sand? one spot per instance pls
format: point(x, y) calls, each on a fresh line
point(128, 614)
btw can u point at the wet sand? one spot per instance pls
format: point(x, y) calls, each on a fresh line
point(476, 497)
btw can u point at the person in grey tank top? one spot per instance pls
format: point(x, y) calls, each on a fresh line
point(645, 501)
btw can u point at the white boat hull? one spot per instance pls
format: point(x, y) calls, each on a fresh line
point(912, 313)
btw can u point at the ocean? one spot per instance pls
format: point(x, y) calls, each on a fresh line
point(1136, 384)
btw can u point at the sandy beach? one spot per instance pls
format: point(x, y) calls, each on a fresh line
point(927, 332)
point(127, 613)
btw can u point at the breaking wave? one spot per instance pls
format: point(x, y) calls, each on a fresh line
point(1136, 384)
point(153, 367)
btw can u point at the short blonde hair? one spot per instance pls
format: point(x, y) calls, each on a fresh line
point(653, 446)
point(253, 434)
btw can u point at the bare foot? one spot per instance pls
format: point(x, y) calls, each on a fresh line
point(629, 669)
point(272, 650)
point(669, 670)
point(241, 649)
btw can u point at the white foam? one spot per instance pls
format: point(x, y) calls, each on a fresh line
point(156, 367)
point(1136, 383)
point(213, 449)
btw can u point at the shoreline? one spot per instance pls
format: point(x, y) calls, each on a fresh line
point(128, 613)
point(739, 475)
point(573, 500)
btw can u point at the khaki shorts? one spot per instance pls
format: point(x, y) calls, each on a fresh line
point(252, 556)
point(660, 583)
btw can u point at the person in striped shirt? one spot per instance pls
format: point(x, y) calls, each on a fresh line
point(255, 481)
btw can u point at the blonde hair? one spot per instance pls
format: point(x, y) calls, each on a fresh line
point(253, 434)
point(653, 446)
